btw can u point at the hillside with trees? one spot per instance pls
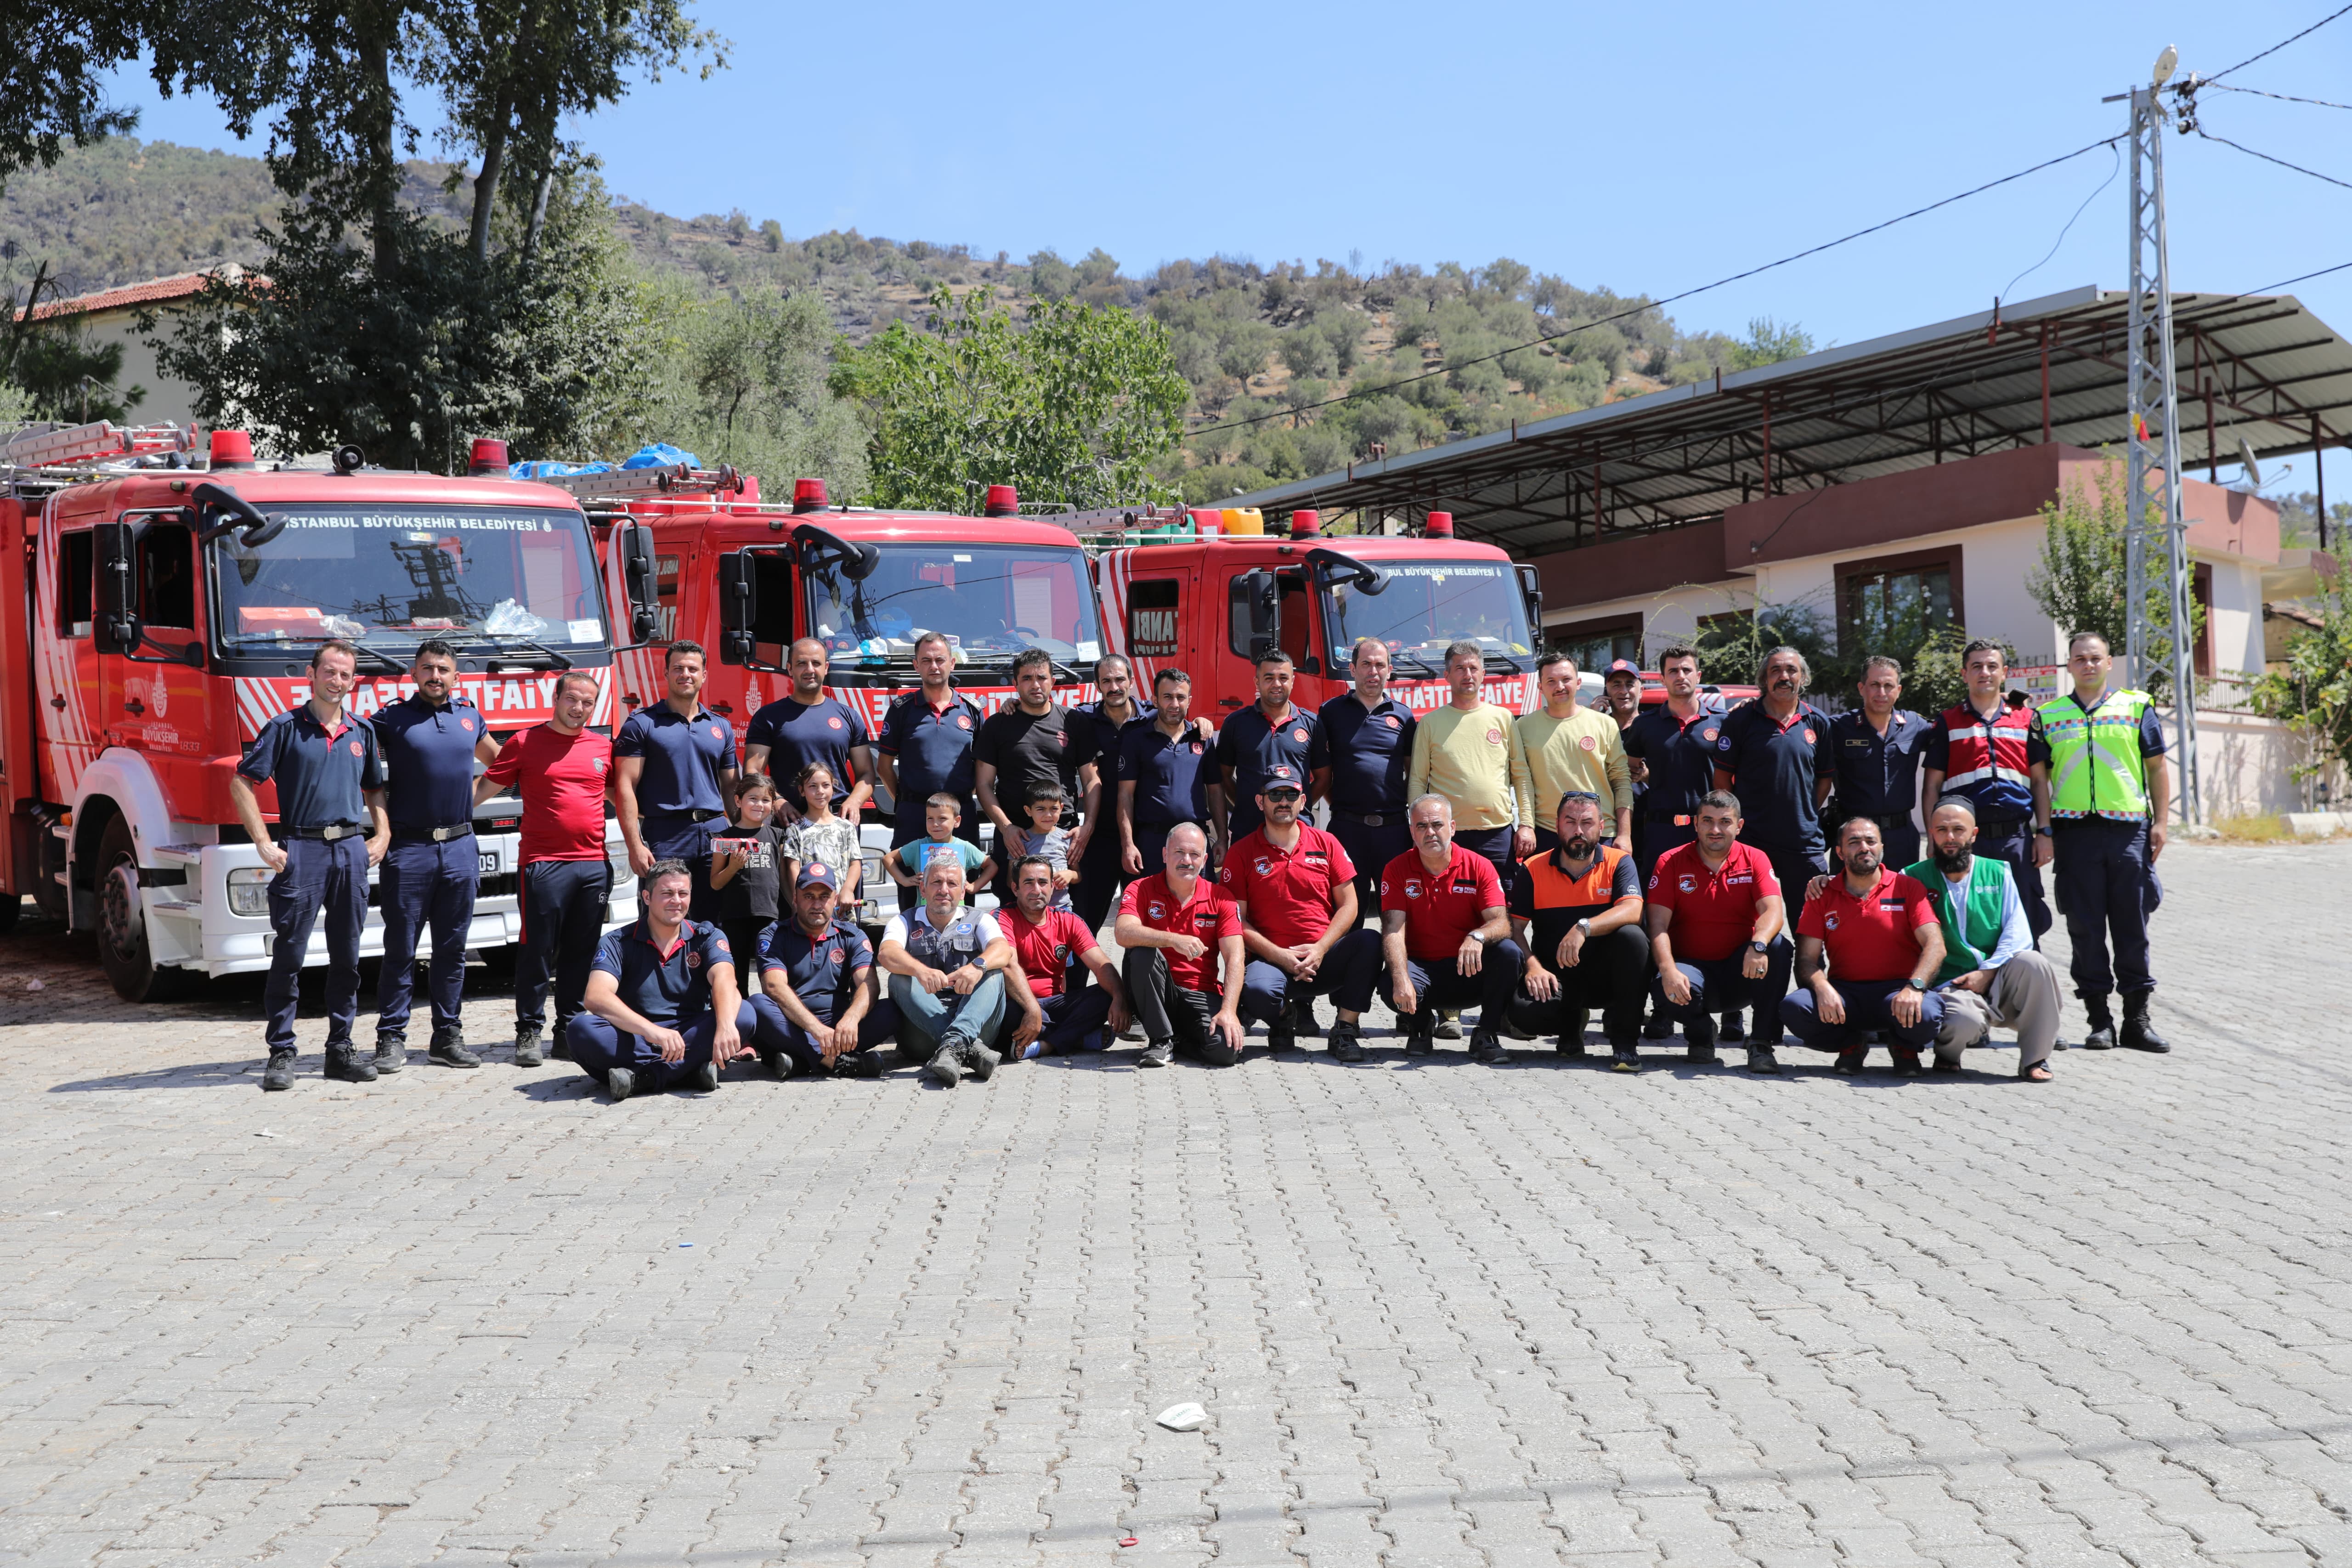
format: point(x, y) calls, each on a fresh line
point(747, 340)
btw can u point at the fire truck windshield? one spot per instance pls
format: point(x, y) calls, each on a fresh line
point(990, 600)
point(1429, 604)
point(390, 576)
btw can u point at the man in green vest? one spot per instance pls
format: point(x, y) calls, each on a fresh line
point(1992, 974)
point(2102, 798)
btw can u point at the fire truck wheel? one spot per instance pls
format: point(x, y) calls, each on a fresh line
point(122, 924)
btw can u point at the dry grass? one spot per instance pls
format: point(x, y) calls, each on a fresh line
point(2254, 830)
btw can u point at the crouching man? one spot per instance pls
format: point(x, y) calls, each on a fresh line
point(1182, 936)
point(946, 966)
point(662, 1005)
point(1990, 974)
point(1878, 932)
point(1578, 907)
point(816, 1010)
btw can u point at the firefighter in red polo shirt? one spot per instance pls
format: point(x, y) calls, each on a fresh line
point(1182, 936)
point(1716, 933)
point(1445, 934)
point(1296, 891)
point(1878, 928)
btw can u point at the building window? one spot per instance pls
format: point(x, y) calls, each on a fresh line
point(1893, 603)
point(1594, 645)
point(2201, 589)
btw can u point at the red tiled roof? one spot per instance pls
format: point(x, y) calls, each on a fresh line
point(179, 286)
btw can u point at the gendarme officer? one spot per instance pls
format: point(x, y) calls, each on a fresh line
point(2106, 790)
point(430, 742)
point(330, 828)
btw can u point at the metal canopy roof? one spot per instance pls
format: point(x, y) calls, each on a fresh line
point(2258, 367)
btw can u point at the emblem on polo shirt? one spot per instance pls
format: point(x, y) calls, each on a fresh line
point(358, 749)
point(1706, 734)
point(600, 763)
point(1392, 720)
point(1809, 734)
point(694, 961)
point(1159, 912)
point(1494, 735)
point(1196, 747)
point(1830, 921)
point(833, 721)
point(1586, 742)
point(467, 725)
point(1413, 889)
point(1263, 865)
point(1688, 884)
point(963, 720)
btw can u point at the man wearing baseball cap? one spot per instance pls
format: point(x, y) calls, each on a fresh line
point(1296, 886)
point(818, 1014)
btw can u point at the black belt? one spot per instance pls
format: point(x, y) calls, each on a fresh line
point(323, 835)
point(1367, 818)
point(433, 835)
point(697, 814)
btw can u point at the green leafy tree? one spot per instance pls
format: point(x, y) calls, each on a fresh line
point(1769, 343)
point(1731, 648)
point(65, 376)
point(2082, 581)
point(2312, 691)
point(760, 395)
point(1074, 409)
point(53, 75)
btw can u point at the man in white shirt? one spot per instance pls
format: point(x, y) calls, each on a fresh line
point(947, 964)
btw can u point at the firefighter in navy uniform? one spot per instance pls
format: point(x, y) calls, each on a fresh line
point(1362, 746)
point(1669, 751)
point(672, 763)
point(926, 749)
point(330, 828)
point(1096, 727)
point(1984, 751)
point(1873, 761)
point(430, 742)
point(2107, 788)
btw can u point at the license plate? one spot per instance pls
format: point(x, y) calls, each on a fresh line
point(489, 862)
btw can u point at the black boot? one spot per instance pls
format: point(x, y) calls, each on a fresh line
point(280, 1073)
point(2139, 1035)
point(450, 1049)
point(2102, 1036)
point(344, 1062)
point(1698, 1040)
point(531, 1046)
point(390, 1052)
point(1346, 1046)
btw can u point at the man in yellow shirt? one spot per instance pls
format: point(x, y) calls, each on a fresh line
point(1468, 751)
point(1566, 749)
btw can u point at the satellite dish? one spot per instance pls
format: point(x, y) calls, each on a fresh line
point(2165, 65)
point(2246, 455)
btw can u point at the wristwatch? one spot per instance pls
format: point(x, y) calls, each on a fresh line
point(1584, 927)
point(1916, 985)
point(1758, 947)
point(2042, 831)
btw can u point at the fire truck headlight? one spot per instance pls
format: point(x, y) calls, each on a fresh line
point(249, 890)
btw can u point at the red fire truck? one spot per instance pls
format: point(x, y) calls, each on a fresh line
point(1186, 590)
point(158, 603)
point(746, 579)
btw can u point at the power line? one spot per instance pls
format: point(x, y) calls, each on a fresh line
point(2282, 96)
point(2306, 278)
point(2266, 158)
point(2274, 48)
point(2055, 244)
point(1671, 299)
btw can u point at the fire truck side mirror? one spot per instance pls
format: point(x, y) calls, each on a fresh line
point(638, 578)
point(1532, 589)
point(1259, 600)
point(117, 629)
point(739, 607)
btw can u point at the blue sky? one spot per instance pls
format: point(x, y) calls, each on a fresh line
point(1645, 148)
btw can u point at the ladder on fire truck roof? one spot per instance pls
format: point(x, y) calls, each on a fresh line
point(56, 446)
point(639, 484)
point(1106, 527)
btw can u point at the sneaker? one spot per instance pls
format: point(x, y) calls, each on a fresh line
point(1760, 1060)
point(1659, 1028)
point(944, 1067)
point(861, 1064)
point(1849, 1062)
point(1280, 1035)
point(449, 1050)
point(1484, 1046)
point(620, 1083)
point(1624, 1058)
point(980, 1062)
point(390, 1053)
point(1571, 1045)
point(1302, 1021)
point(1699, 1054)
point(1700, 1035)
point(1345, 1046)
point(1906, 1063)
point(280, 1073)
point(1449, 1026)
point(1735, 1026)
point(1158, 1054)
point(557, 1047)
point(344, 1062)
point(1423, 1043)
point(531, 1047)
point(706, 1077)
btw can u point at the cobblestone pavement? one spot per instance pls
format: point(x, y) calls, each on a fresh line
point(1439, 1313)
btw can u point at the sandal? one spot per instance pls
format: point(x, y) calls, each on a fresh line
point(2038, 1073)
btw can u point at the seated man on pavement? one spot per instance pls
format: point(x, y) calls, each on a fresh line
point(816, 1010)
point(1878, 930)
point(1049, 1011)
point(1441, 911)
point(662, 1006)
point(1578, 904)
point(1182, 935)
point(946, 964)
point(1992, 973)
point(1296, 887)
point(1716, 933)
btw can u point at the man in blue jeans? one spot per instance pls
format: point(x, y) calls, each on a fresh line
point(1880, 933)
point(946, 966)
point(662, 1005)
